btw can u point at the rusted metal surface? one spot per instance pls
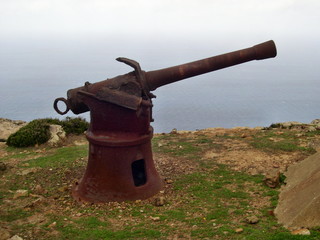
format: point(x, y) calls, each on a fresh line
point(165, 76)
point(120, 165)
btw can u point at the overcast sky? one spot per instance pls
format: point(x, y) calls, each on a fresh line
point(140, 25)
point(69, 42)
point(62, 18)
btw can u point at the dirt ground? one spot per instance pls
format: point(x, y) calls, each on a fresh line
point(232, 147)
point(235, 150)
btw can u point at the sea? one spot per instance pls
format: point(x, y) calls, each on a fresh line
point(256, 93)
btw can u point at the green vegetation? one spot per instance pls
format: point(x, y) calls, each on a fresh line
point(204, 200)
point(61, 157)
point(271, 140)
point(37, 131)
point(74, 125)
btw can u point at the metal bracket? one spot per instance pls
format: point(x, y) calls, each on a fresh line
point(139, 75)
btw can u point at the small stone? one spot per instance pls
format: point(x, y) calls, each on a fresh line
point(52, 225)
point(57, 135)
point(302, 231)
point(271, 213)
point(272, 178)
point(244, 135)
point(311, 129)
point(63, 189)
point(156, 219)
point(316, 122)
point(230, 211)
point(3, 166)
point(15, 237)
point(168, 181)
point(40, 190)
point(27, 171)
point(252, 219)
point(160, 201)
point(79, 143)
point(34, 203)
point(239, 230)
point(174, 131)
point(4, 234)
point(20, 193)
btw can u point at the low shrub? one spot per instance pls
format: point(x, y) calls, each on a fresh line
point(37, 131)
point(74, 125)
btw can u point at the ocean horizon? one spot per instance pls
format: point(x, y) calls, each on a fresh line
point(256, 93)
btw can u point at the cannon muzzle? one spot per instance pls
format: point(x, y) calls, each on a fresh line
point(169, 75)
point(133, 89)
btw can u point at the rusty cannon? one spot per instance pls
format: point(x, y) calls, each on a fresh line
point(120, 162)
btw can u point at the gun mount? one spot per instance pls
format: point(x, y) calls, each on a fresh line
point(120, 165)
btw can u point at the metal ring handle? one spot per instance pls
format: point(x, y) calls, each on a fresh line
point(55, 105)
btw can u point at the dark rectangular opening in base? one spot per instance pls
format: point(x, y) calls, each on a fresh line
point(138, 172)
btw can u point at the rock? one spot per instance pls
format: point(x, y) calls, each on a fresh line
point(174, 131)
point(79, 143)
point(315, 144)
point(302, 231)
point(52, 225)
point(244, 135)
point(15, 237)
point(299, 199)
point(20, 193)
point(57, 135)
point(36, 219)
point(252, 220)
point(40, 190)
point(8, 127)
point(316, 122)
point(168, 181)
point(311, 129)
point(27, 171)
point(156, 219)
point(287, 125)
point(160, 201)
point(3, 166)
point(4, 234)
point(272, 178)
point(63, 189)
point(239, 230)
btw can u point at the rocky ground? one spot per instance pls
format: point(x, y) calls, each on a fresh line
point(232, 147)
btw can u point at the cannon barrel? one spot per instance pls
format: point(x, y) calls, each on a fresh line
point(120, 163)
point(133, 89)
point(169, 75)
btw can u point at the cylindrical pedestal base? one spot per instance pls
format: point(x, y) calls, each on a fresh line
point(118, 169)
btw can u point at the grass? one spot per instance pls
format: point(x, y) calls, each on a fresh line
point(286, 141)
point(18, 154)
point(207, 203)
point(62, 157)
